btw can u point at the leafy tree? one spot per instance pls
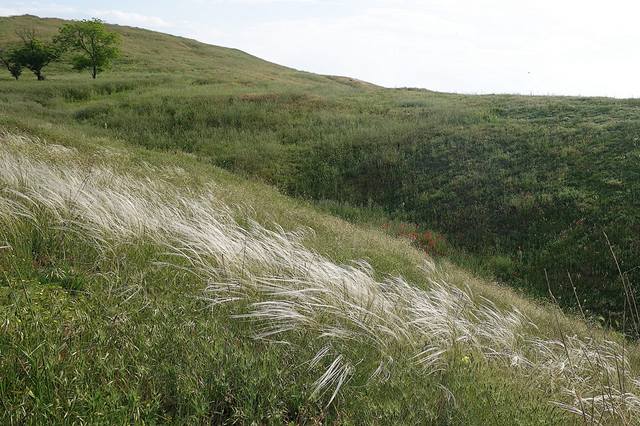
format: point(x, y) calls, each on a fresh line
point(95, 47)
point(10, 60)
point(34, 53)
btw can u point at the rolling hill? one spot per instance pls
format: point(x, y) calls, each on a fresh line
point(516, 185)
point(170, 251)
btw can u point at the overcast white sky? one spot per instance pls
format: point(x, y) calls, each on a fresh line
point(571, 47)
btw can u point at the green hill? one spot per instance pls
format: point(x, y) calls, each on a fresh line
point(517, 185)
point(140, 281)
point(152, 52)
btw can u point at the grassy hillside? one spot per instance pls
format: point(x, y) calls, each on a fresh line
point(152, 52)
point(140, 281)
point(145, 287)
point(517, 185)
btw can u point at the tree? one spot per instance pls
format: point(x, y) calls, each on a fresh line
point(34, 53)
point(95, 47)
point(10, 60)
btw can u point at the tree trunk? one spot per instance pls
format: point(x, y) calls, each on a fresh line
point(39, 75)
point(94, 73)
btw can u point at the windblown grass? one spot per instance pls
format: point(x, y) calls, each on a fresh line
point(358, 331)
point(515, 184)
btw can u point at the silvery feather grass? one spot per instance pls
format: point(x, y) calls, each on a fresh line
point(270, 279)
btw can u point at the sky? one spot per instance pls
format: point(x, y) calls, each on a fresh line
point(541, 47)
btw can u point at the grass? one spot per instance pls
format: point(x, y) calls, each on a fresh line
point(129, 299)
point(516, 185)
point(140, 282)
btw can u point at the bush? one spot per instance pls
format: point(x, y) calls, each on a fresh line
point(503, 267)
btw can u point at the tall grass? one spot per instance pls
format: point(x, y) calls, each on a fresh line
point(516, 184)
point(360, 328)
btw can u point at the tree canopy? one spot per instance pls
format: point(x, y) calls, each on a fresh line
point(94, 46)
point(34, 54)
point(10, 60)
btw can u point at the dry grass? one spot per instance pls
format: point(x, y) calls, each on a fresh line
point(265, 275)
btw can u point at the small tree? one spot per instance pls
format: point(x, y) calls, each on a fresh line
point(9, 59)
point(95, 47)
point(34, 53)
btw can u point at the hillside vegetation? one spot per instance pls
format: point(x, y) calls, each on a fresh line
point(517, 185)
point(142, 282)
point(151, 288)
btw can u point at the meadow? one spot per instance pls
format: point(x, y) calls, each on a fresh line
point(170, 250)
point(516, 185)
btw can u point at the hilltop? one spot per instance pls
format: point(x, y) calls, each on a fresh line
point(170, 251)
point(156, 53)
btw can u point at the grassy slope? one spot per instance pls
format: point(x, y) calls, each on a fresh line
point(161, 53)
point(71, 345)
point(109, 336)
point(524, 184)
